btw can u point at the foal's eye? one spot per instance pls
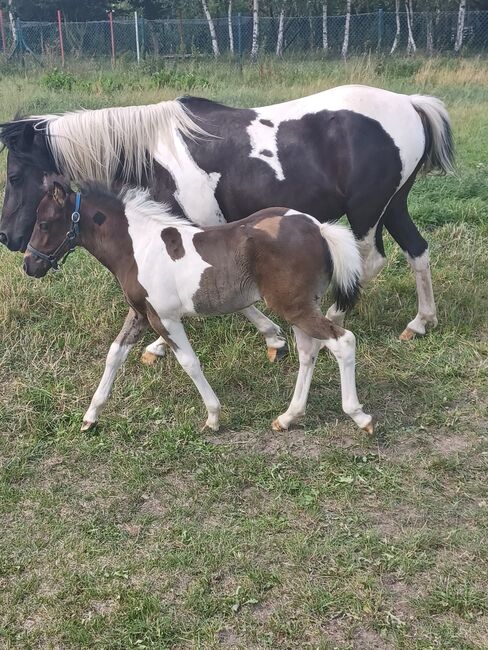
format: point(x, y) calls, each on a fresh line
point(43, 225)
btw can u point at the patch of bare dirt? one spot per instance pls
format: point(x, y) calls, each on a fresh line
point(365, 639)
point(449, 445)
point(294, 442)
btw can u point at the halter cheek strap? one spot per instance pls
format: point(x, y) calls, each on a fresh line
point(71, 236)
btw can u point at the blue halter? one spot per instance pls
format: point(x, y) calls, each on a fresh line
point(70, 239)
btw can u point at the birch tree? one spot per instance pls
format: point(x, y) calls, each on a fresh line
point(411, 47)
point(229, 23)
point(460, 26)
point(255, 29)
point(429, 35)
point(397, 33)
point(281, 28)
point(211, 26)
point(345, 43)
point(325, 33)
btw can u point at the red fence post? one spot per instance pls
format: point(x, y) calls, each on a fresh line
point(112, 39)
point(2, 31)
point(60, 30)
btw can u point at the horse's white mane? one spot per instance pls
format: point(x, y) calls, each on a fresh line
point(139, 205)
point(92, 144)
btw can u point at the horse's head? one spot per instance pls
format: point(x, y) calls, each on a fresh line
point(27, 161)
point(49, 240)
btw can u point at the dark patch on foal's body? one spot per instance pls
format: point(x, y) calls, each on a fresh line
point(174, 245)
point(284, 260)
point(267, 122)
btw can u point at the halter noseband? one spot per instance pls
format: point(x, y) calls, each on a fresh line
point(71, 237)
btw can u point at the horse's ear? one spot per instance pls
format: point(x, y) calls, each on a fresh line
point(59, 194)
point(28, 136)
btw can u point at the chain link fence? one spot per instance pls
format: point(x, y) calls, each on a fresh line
point(305, 37)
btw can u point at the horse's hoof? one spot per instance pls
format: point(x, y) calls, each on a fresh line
point(277, 426)
point(276, 354)
point(209, 425)
point(407, 334)
point(369, 428)
point(149, 358)
point(86, 426)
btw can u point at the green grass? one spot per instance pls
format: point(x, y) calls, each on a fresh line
point(148, 534)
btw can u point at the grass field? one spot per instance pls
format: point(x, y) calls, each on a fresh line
point(149, 534)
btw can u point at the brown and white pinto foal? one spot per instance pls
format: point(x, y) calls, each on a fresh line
point(169, 268)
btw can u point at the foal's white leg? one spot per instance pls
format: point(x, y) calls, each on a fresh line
point(272, 333)
point(133, 327)
point(426, 304)
point(190, 363)
point(153, 351)
point(344, 350)
point(308, 349)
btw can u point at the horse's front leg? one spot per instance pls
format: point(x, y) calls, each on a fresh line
point(135, 324)
point(176, 337)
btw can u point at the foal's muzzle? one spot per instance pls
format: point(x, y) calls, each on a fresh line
point(34, 267)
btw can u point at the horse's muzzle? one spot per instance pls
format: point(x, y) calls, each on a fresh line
point(33, 267)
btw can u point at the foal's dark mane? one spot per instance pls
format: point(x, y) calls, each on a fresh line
point(97, 192)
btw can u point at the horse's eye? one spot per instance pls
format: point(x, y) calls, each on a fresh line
point(43, 225)
point(14, 179)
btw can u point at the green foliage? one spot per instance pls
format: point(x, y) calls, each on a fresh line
point(57, 79)
point(186, 81)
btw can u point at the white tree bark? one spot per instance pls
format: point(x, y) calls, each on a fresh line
point(325, 33)
point(255, 29)
point(13, 24)
point(460, 26)
point(231, 33)
point(345, 43)
point(411, 47)
point(397, 33)
point(211, 26)
point(281, 28)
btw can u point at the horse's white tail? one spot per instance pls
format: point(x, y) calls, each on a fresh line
point(346, 262)
point(439, 148)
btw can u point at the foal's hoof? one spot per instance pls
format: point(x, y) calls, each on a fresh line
point(149, 358)
point(277, 426)
point(276, 354)
point(86, 426)
point(369, 428)
point(407, 334)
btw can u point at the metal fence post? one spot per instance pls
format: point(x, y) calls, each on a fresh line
point(380, 27)
point(60, 30)
point(112, 38)
point(138, 51)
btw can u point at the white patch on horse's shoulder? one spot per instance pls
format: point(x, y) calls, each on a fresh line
point(195, 189)
point(290, 212)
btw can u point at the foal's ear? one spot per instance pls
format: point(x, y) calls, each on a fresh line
point(59, 194)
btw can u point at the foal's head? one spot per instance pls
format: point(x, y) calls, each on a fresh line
point(50, 239)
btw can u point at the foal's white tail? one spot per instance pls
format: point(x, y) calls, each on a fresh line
point(346, 263)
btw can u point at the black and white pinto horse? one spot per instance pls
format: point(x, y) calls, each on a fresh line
point(350, 150)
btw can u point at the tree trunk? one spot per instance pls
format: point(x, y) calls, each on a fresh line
point(281, 27)
point(231, 33)
point(325, 34)
point(397, 33)
point(411, 47)
point(430, 37)
point(255, 29)
point(460, 26)
point(345, 44)
point(211, 26)
point(13, 24)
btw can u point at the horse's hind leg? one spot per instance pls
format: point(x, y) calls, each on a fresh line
point(342, 344)
point(135, 324)
point(276, 343)
point(404, 232)
point(153, 351)
point(308, 349)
